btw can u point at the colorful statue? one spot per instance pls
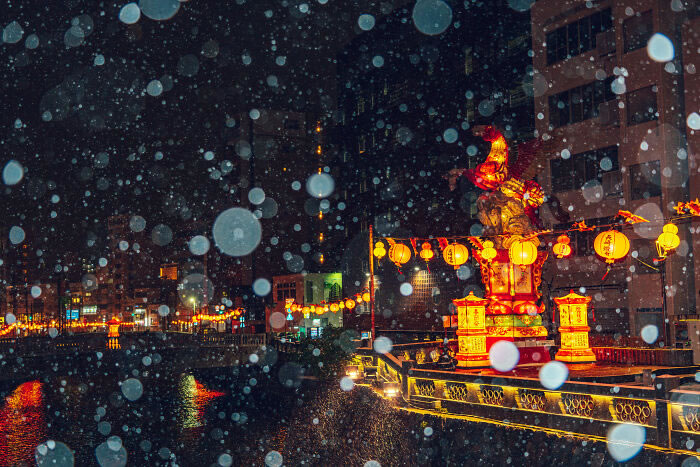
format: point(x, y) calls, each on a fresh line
point(509, 204)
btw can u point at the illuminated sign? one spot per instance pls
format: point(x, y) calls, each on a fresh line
point(90, 310)
point(72, 314)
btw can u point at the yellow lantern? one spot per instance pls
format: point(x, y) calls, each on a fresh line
point(305, 310)
point(489, 252)
point(667, 241)
point(341, 305)
point(350, 303)
point(312, 309)
point(334, 307)
point(365, 296)
point(562, 248)
point(522, 252)
point(456, 255)
point(611, 245)
point(399, 254)
point(358, 298)
point(379, 250)
point(426, 253)
point(326, 308)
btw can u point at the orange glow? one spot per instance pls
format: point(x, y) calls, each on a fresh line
point(522, 253)
point(456, 255)
point(350, 303)
point(318, 150)
point(22, 424)
point(426, 253)
point(562, 248)
point(399, 254)
point(365, 296)
point(668, 240)
point(320, 237)
point(320, 215)
point(489, 252)
point(611, 245)
point(379, 250)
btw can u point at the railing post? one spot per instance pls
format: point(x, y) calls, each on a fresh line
point(663, 384)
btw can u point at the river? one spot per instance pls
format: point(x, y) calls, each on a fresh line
point(248, 417)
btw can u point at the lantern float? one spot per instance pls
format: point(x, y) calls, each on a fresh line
point(667, 241)
point(611, 245)
point(522, 252)
point(562, 248)
point(426, 253)
point(379, 250)
point(456, 255)
point(488, 252)
point(399, 254)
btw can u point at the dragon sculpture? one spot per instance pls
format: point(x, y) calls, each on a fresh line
point(508, 207)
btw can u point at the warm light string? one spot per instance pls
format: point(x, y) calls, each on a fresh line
point(334, 306)
point(231, 314)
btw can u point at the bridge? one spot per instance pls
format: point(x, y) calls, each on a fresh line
point(83, 353)
point(663, 400)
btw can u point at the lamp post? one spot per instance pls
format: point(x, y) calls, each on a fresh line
point(371, 283)
point(194, 311)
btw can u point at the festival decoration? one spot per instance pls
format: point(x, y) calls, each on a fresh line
point(399, 254)
point(334, 307)
point(668, 241)
point(488, 252)
point(366, 297)
point(456, 255)
point(379, 250)
point(562, 249)
point(349, 303)
point(691, 207)
point(611, 245)
point(426, 253)
point(471, 331)
point(630, 218)
point(522, 252)
point(573, 327)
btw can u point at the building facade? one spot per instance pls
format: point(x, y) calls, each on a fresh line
point(612, 118)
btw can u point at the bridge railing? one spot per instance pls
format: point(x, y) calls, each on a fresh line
point(670, 416)
point(644, 356)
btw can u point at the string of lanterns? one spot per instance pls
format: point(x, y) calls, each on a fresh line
point(335, 306)
point(39, 326)
point(611, 244)
point(217, 318)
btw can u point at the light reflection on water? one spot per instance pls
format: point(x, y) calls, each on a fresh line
point(22, 423)
point(193, 398)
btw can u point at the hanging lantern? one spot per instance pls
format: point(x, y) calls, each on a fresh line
point(611, 245)
point(365, 296)
point(326, 308)
point(341, 305)
point(522, 253)
point(426, 253)
point(334, 307)
point(358, 298)
point(399, 254)
point(312, 309)
point(305, 310)
point(379, 250)
point(488, 252)
point(562, 248)
point(667, 241)
point(350, 303)
point(456, 255)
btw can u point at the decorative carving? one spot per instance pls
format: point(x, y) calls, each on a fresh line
point(633, 411)
point(492, 395)
point(578, 404)
point(425, 388)
point(532, 400)
point(457, 391)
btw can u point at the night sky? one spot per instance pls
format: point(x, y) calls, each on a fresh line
point(94, 139)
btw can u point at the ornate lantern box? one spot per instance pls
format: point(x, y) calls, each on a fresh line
point(471, 332)
point(573, 327)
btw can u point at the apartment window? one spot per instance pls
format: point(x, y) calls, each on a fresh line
point(291, 124)
point(645, 180)
point(637, 31)
point(286, 290)
point(577, 37)
point(581, 103)
point(468, 61)
point(641, 106)
point(600, 164)
point(309, 294)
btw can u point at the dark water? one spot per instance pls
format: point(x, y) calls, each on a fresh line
point(231, 417)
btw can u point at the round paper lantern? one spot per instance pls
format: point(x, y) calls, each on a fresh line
point(341, 305)
point(326, 308)
point(668, 240)
point(334, 307)
point(562, 248)
point(426, 253)
point(522, 252)
point(365, 296)
point(399, 254)
point(379, 250)
point(456, 255)
point(488, 252)
point(611, 245)
point(312, 309)
point(358, 298)
point(350, 303)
